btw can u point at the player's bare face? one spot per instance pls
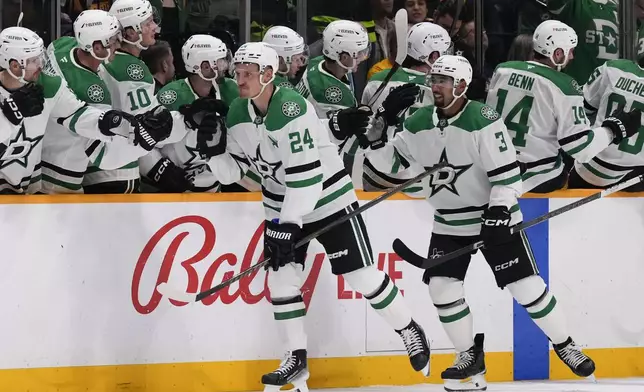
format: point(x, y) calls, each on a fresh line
point(297, 62)
point(442, 89)
point(148, 31)
point(33, 67)
point(247, 77)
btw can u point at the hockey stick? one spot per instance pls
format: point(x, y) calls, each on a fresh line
point(400, 21)
point(421, 262)
point(173, 293)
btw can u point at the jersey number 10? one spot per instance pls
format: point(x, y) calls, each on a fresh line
point(142, 99)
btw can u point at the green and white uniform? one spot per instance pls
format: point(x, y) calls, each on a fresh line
point(543, 110)
point(282, 81)
point(184, 153)
point(303, 179)
point(482, 167)
point(69, 150)
point(372, 179)
point(596, 24)
point(615, 84)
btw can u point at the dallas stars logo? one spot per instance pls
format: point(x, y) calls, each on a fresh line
point(135, 72)
point(291, 109)
point(168, 97)
point(19, 149)
point(266, 169)
point(95, 93)
point(333, 94)
point(446, 177)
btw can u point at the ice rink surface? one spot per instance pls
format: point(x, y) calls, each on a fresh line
point(602, 385)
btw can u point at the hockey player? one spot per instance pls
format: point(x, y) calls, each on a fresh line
point(293, 52)
point(475, 198)
point(425, 43)
point(182, 166)
point(617, 84)
point(543, 109)
point(67, 155)
point(305, 187)
point(32, 96)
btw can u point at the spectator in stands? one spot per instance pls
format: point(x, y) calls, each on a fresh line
point(450, 14)
point(382, 11)
point(388, 62)
point(416, 10)
point(160, 61)
point(521, 48)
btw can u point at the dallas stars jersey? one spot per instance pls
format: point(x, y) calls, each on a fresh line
point(596, 24)
point(67, 151)
point(282, 81)
point(544, 112)
point(184, 153)
point(303, 179)
point(374, 180)
point(482, 167)
point(618, 84)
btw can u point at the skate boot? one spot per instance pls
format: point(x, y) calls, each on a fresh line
point(577, 361)
point(417, 347)
point(468, 371)
point(292, 370)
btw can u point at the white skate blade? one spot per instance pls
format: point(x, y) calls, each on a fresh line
point(592, 378)
point(173, 293)
point(299, 384)
point(474, 383)
point(425, 370)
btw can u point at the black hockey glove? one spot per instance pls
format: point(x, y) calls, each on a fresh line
point(623, 124)
point(211, 136)
point(169, 178)
point(153, 127)
point(495, 226)
point(399, 99)
point(279, 243)
point(350, 121)
point(113, 119)
point(194, 112)
point(27, 101)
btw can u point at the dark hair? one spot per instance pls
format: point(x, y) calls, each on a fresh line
point(154, 56)
point(450, 7)
point(410, 62)
point(521, 48)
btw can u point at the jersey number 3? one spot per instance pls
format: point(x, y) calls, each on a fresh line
point(298, 142)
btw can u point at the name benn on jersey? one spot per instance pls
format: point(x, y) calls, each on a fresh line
point(19, 149)
point(605, 37)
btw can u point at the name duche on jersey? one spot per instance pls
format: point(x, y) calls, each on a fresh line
point(596, 23)
point(618, 84)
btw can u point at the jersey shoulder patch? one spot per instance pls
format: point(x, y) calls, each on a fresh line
point(286, 105)
point(327, 89)
point(128, 68)
point(238, 113)
point(87, 85)
point(175, 94)
point(563, 82)
point(476, 116)
point(421, 120)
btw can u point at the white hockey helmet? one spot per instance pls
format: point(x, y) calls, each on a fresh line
point(455, 67)
point(261, 54)
point(345, 36)
point(201, 47)
point(288, 44)
point(426, 38)
point(25, 47)
point(96, 25)
point(552, 35)
point(134, 14)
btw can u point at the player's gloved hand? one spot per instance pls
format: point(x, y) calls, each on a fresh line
point(279, 243)
point(623, 124)
point(150, 127)
point(112, 119)
point(495, 226)
point(350, 121)
point(169, 178)
point(375, 135)
point(399, 99)
point(27, 101)
point(194, 112)
point(211, 136)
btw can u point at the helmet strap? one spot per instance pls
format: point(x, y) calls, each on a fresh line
point(261, 91)
point(20, 78)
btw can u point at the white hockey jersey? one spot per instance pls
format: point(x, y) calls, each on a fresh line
point(303, 179)
point(543, 110)
point(482, 167)
point(615, 84)
point(372, 179)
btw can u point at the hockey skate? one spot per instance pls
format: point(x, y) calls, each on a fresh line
point(577, 361)
point(468, 371)
point(292, 370)
point(417, 347)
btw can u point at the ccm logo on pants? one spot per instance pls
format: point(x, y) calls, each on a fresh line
point(506, 265)
point(336, 255)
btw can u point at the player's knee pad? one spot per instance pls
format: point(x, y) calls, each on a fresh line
point(284, 283)
point(366, 280)
point(529, 291)
point(446, 292)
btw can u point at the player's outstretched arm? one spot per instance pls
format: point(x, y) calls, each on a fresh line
point(227, 160)
point(593, 91)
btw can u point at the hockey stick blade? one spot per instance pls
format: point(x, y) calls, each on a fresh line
point(424, 263)
point(179, 295)
point(401, 23)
